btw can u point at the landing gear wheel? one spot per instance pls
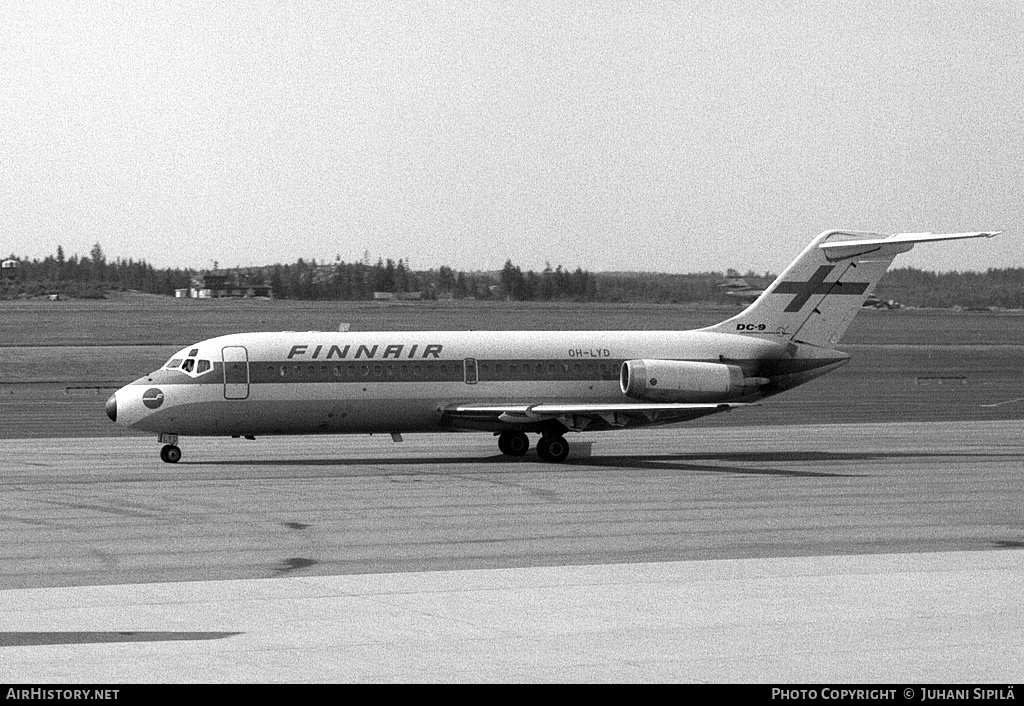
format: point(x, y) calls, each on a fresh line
point(513, 443)
point(170, 454)
point(553, 449)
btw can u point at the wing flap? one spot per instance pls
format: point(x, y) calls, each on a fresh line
point(550, 410)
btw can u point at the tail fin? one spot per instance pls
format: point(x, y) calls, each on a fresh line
point(816, 297)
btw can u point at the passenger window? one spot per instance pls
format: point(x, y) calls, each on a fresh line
point(202, 366)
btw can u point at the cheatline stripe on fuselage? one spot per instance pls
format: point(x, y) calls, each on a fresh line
point(494, 370)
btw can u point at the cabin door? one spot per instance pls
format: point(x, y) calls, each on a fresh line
point(236, 372)
point(469, 367)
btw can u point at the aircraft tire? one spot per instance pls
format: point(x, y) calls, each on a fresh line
point(513, 443)
point(170, 454)
point(553, 449)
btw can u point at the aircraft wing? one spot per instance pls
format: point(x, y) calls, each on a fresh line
point(614, 414)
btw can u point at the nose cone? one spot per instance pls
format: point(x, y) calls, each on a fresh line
point(111, 407)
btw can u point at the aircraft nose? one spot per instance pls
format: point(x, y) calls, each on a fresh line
point(111, 407)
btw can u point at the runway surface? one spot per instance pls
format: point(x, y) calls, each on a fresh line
point(943, 618)
point(855, 552)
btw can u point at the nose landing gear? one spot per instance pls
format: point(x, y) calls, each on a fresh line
point(170, 453)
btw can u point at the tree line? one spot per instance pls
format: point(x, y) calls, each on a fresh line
point(87, 277)
point(995, 287)
point(95, 276)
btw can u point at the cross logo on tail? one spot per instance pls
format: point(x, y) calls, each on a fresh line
point(817, 285)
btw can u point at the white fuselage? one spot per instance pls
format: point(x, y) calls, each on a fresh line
point(341, 382)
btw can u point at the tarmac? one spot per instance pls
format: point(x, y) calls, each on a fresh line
point(853, 553)
point(939, 618)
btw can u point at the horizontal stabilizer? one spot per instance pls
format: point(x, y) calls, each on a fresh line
point(901, 242)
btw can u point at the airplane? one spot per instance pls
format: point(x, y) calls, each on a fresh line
point(516, 383)
point(738, 288)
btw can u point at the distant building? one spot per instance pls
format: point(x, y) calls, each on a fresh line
point(873, 302)
point(210, 285)
point(9, 269)
point(401, 296)
point(260, 291)
point(221, 285)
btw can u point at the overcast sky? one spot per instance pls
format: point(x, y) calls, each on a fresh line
point(661, 135)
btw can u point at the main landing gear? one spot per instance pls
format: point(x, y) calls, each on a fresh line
point(514, 443)
point(551, 448)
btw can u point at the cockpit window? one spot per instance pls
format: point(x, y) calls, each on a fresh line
point(190, 365)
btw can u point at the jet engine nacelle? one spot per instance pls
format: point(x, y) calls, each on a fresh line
point(684, 381)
